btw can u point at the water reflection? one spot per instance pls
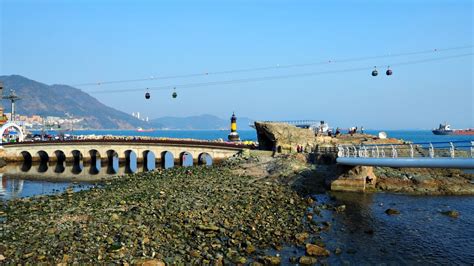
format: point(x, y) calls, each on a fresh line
point(367, 235)
point(113, 165)
point(59, 168)
point(43, 167)
point(95, 166)
point(49, 176)
point(77, 167)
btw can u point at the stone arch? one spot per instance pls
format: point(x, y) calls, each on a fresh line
point(94, 154)
point(167, 159)
point(111, 154)
point(77, 155)
point(44, 160)
point(149, 160)
point(112, 162)
point(60, 156)
point(95, 162)
point(60, 159)
point(26, 156)
point(205, 159)
point(27, 161)
point(44, 157)
point(185, 159)
point(130, 161)
point(8, 125)
point(59, 168)
point(78, 162)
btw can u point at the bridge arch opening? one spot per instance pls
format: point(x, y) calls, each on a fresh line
point(112, 162)
point(60, 156)
point(205, 159)
point(78, 163)
point(59, 168)
point(149, 160)
point(186, 159)
point(27, 161)
point(43, 156)
point(95, 162)
point(44, 160)
point(167, 159)
point(26, 156)
point(130, 162)
point(60, 159)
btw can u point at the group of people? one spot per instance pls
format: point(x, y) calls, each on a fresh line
point(299, 149)
point(351, 131)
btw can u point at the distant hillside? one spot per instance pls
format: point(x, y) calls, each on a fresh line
point(57, 100)
point(200, 122)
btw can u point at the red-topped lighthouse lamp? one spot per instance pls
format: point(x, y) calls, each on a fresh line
point(233, 136)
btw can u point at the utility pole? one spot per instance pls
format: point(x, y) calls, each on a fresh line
point(12, 98)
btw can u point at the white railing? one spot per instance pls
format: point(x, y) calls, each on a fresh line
point(453, 149)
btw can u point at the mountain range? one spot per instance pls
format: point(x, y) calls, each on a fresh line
point(65, 101)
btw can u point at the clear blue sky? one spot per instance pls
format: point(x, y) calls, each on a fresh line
point(71, 42)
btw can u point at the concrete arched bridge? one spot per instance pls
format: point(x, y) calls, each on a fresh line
point(455, 154)
point(92, 150)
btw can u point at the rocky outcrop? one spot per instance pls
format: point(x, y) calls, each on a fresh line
point(287, 137)
point(425, 181)
point(353, 178)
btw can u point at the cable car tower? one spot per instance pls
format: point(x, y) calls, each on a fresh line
point(12, 97)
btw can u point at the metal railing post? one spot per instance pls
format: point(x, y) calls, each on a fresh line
point(472, 149)
point(412, 152)
point(451, 150)
point(431, 151)
point(355, 150)
point(340, 151)
point(394, 152)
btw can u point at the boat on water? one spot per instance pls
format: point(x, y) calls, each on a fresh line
point(145, 130)
point(445, 129)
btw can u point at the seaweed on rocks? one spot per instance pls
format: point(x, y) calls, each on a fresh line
point(179, 215)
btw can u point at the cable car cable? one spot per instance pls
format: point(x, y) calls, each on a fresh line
point(256, 79)
point(243, 70)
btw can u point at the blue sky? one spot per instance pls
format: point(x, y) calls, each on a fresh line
point(73, 42)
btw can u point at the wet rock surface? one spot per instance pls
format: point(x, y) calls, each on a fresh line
point(424, 181)
point(183, 215)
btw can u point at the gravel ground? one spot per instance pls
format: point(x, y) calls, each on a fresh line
point(182, 215)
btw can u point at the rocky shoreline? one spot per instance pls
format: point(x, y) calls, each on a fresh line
point(424, 181)
point(196, 215)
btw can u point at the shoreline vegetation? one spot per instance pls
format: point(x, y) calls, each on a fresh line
point(232, 213)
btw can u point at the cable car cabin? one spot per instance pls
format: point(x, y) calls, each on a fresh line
point(374, 73)
point(389, 72)
point(174, 95)
point(147, 95)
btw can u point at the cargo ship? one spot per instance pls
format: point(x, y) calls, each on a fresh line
point(445, 129)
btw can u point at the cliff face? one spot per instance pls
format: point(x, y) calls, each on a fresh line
point(286, 137)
